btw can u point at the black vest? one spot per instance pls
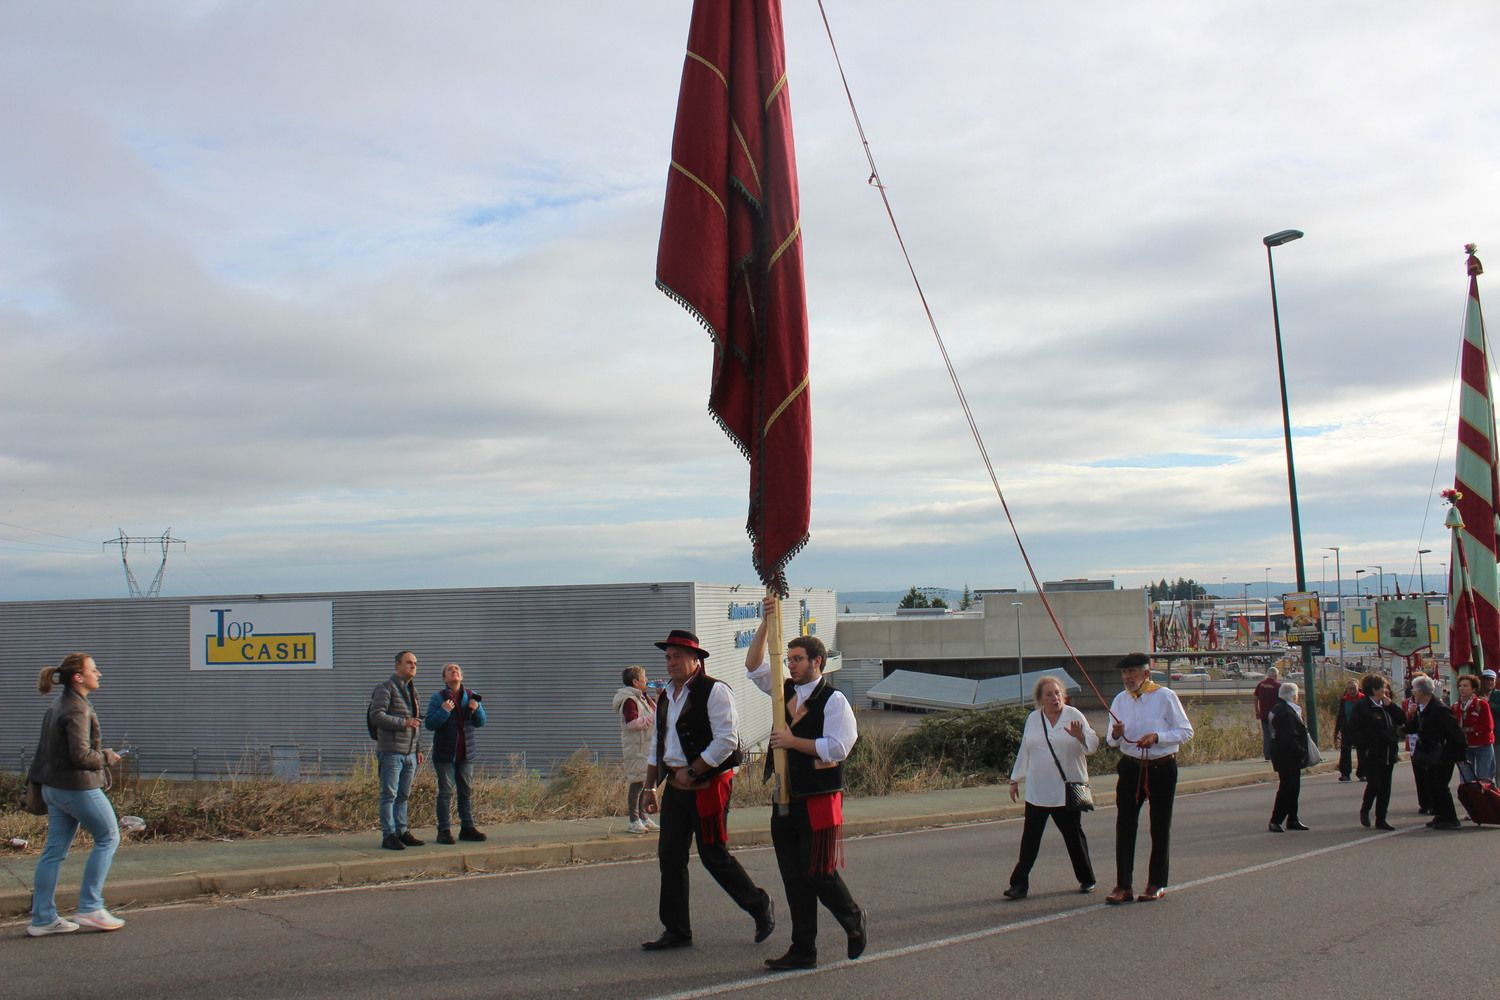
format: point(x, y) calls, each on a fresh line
point(808, 775)
point(694, 729)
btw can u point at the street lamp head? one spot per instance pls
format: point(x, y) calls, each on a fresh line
point(1423, 552)
point(1285, 236)
point(1017, 604)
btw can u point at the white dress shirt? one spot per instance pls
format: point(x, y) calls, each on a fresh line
point(1156, 712)
point(840, 731)
point(1034, 764)
point(723, 721)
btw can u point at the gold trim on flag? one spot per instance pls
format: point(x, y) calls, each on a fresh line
point(801, 387)
point(712, 68)
point(776, 90)
point(790, 239)
point(696, 180)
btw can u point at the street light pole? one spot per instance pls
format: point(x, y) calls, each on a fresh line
point(1275, 240)
point(1339, 573)
point(1020, 663)
point(1380, 570)
point(1420, 571)
point(1357, 574)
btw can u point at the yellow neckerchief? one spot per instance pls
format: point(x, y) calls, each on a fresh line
point(1147, 686)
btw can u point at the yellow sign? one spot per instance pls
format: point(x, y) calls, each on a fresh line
point(289, 648)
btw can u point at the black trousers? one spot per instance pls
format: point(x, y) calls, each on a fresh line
point(1377, 789)
point(1070, 825)
point(1419, 775)
point(680, 825)
point(1439, 798)
point(1287, 793)
point(792, 835)
point(1346, 748)
point(1161, 782)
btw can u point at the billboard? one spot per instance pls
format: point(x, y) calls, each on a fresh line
point(261, 635)
point(1304, 620)
point(1402, 625)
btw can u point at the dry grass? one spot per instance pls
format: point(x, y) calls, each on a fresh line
point(578, 788)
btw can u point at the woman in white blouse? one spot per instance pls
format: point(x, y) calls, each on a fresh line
point(1071, 738)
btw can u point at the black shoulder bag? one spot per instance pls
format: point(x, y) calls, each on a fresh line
point(1078, 796)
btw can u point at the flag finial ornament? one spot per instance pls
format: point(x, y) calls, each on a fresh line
point(1475, 268)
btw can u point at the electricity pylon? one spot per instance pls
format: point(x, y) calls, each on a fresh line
point(123, 541)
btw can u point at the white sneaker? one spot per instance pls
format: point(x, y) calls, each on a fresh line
point(636, 826)
point(58, 926)
point(650, 823)
point(99, 920)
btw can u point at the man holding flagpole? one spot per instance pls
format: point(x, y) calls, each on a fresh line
point(808, 837)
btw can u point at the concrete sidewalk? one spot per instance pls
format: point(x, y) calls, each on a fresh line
point(158, 872)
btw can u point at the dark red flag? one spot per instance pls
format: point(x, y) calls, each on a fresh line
point(731, 253)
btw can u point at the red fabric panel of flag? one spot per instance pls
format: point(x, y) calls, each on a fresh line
point(1473, 600)
point(731, 253)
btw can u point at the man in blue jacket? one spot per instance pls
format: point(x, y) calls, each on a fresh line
point(453, 713)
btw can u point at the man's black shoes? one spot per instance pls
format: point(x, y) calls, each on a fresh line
point(445, 837)
point(857, 936)
point(471, 833)
point(791, 960)
point(409, 840)
point(391, 842)
point(667, 940)
point(766, 923)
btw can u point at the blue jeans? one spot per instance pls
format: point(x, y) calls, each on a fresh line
point(450, 773)
point(66, 811)
point(1482, 760)
point(396, 771)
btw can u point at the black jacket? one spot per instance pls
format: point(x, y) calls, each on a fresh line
point(1288, 738)
point(1440, 739)
point(1376, 731)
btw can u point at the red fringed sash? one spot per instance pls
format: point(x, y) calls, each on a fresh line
point(713, 807)
point(825, 813)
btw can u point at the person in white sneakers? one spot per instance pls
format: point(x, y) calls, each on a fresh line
point(70, 765)
point(637, 717)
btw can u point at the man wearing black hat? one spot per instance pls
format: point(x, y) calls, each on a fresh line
point(1147, 726)
point(696, 749)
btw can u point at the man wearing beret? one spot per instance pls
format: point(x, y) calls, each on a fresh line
point(695, 750)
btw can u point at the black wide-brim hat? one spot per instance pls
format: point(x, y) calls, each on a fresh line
point(683, 638)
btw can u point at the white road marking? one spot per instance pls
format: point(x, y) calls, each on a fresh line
point(770, 978)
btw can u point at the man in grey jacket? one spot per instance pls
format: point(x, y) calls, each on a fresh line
point(397, 725)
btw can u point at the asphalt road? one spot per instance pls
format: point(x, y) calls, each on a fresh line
point(1337, 912)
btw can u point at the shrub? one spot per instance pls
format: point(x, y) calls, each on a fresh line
point(967, 742)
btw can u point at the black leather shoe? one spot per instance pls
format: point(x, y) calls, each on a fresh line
point(1381, 824)
point(1364, 818)
point(857, 936)
point(667, 940)
point(766, 923)
point(1344, 777)
point(791, 960)
point(391, 842)
point(1087, 887)
point(1274, 827)
point(1296, 824)
point(445, 837)
point(1447, 824)
point(471, 833)
point(1014, 892)
point(409, 840)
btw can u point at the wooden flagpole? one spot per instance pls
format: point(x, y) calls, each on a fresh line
point(776, 648)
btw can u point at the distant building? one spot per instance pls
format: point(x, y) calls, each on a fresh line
point(257, 684)
point(1060, 586)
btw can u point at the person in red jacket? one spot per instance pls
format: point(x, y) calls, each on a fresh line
point(1341, 723)
point(1267, 693)
point(1474, 718)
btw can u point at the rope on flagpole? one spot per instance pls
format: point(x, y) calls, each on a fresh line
point(875, 182)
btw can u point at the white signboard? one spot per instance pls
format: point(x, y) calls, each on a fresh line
point(261, 635)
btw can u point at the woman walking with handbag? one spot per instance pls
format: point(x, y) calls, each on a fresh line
point(71, 767)
point(1289, 755)
point(1051, 759)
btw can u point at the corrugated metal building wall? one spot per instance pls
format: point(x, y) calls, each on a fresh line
point(546, 659)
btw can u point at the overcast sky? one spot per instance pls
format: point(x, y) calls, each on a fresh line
point(360, 295)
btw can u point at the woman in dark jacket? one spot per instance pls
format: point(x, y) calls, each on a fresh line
point(1288, 757)
point(1375, 728)
point(70, 766)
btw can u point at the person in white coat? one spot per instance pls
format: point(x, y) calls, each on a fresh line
point(1053, 751)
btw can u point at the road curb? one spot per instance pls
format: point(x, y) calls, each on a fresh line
point(364, 871)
